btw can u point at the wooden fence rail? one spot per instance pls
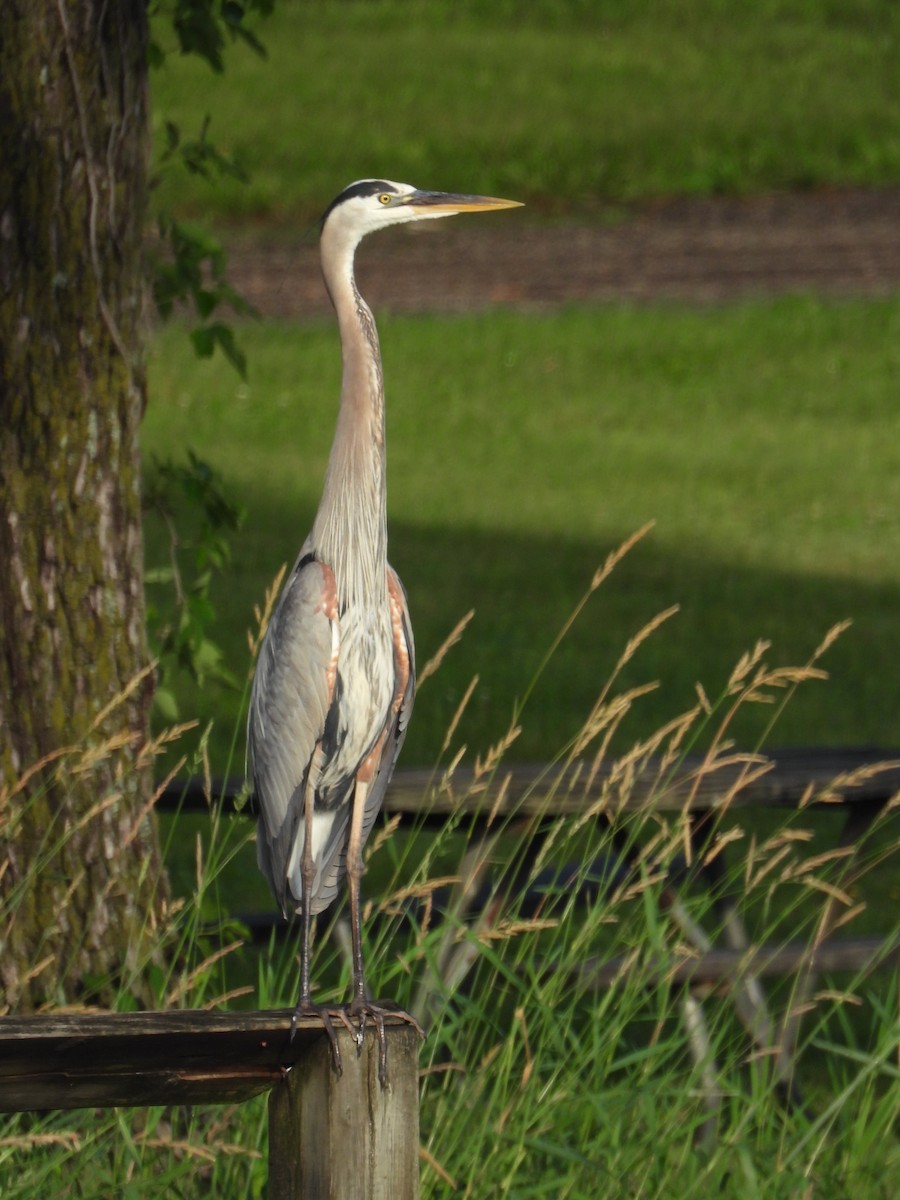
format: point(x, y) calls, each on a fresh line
point(732, 967)
point(860, 781)
point(855, 775)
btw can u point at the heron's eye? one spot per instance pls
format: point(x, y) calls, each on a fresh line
point(385, 198)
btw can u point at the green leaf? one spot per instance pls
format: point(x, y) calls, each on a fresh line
point(250, 39)
point(199, 32)
point(199, 608)
point(165, 703)
point(156, 56)
point(188, 495)
point(159, 575)
point(208, 656)
point(205, 301)
point(225, 337)
point(203, 340)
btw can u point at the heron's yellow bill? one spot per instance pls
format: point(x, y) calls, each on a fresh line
point(451, 202)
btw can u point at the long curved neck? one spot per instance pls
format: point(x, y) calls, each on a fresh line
point(350, 530)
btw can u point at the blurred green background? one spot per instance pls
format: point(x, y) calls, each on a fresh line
point(569, 105)
point(760, 435)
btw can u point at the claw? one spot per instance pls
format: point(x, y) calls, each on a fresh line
point(325, 1015)
point(362, 1010)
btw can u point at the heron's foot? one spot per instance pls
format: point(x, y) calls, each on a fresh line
point(377, 1010)
point(327, 1014)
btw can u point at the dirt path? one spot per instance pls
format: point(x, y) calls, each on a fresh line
point(837, 243)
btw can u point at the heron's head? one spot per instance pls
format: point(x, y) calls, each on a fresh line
point(372, 204)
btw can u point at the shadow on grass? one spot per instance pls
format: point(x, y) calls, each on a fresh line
point(523, 590)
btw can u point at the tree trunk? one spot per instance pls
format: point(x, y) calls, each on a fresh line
point(79, 858)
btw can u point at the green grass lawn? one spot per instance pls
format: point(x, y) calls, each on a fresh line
point(758, 437)
point(566, 106)
point(762, 438)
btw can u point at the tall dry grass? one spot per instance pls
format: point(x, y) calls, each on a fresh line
point(563, 1057)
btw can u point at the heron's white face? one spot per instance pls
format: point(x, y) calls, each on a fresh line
point(371, 204)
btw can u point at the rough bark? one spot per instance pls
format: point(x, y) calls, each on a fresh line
point(79, 861)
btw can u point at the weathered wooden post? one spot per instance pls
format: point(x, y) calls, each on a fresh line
point(331, 1138)
point(346, 1137)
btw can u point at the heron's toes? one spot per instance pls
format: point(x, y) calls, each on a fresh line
point(387, 1008)
point(327, 1014)
point(377, 1011)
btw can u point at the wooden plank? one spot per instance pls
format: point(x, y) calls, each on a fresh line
point(94, 1060)
point(346, 1137)
point(731, 966)
point(696, 785)
point(537, 790)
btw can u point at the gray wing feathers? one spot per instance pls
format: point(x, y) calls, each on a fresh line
point(289, 701)
point(293, 690)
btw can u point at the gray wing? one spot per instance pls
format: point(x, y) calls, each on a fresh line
point(392, 737)
point(293, 690)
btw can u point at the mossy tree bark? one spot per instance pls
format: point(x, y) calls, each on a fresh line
point(80, 877)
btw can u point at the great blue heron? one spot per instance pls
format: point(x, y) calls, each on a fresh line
point(335, 677)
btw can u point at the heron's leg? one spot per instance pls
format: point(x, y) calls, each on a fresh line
point(307, 878)
point(361, 1006)
point(355, 871)
point(305, 1006)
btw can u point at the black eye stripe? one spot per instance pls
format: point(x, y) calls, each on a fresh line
point(365, 187)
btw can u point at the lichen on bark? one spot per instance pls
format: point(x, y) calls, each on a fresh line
point(80, 873)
